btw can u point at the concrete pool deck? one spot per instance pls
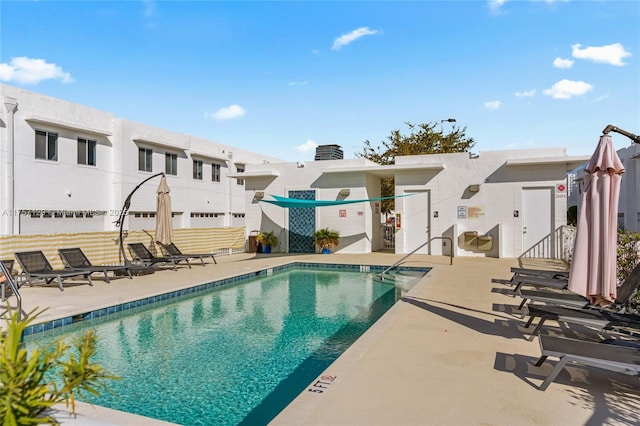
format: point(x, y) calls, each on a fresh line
point(451, 352)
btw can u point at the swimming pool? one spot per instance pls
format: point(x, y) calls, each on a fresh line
point(236, 353)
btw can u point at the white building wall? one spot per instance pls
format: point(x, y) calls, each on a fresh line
point(629, 204)
point(65, 186)
point(353, 221)
point(491, 210)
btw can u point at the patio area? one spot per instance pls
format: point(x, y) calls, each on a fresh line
point(452, 352)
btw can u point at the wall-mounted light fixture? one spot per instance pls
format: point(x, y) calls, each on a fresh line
point(258, 195)
point(474, 188)
point(344, 192)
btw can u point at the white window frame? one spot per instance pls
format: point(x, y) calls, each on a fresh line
point(89, 151)
point(171, 163)
point(197, 169)
point(50, 144)
point(145, 159)
point(215, 172)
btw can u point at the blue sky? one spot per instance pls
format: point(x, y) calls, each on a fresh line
point(283, 77)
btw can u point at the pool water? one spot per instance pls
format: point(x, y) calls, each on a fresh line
point(235, 354)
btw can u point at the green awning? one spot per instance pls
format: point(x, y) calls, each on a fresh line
point(293, 203)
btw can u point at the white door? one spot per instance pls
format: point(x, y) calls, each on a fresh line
point(537, 222)
point(416, 223)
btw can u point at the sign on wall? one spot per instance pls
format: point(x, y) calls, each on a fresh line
point(462, 212)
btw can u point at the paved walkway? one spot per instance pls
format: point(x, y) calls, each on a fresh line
point(451, 352)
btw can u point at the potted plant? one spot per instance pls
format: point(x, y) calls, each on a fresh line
point(267, 239)
point(326, 239)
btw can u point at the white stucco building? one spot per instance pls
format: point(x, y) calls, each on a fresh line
point(68, 168)
point(499, 204)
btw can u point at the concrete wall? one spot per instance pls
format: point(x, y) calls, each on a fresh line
point(629, 205)
point(358, 223)
point(489, 211)
point(30, 184)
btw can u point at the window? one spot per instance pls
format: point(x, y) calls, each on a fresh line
point(171, 164)
point(240, 169)
point(86, 152)
point(215, 172)
point(46, 145)
point(197, 169)
point(144, 159)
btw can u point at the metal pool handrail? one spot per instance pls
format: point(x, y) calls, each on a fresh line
point(14, 288)
point(395, 265)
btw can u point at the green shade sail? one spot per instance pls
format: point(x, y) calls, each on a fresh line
point(293, 203)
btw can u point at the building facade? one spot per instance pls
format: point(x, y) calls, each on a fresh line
point(496, 204)
point(68, 168)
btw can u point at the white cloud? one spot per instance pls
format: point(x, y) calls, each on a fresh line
point(493, 105)
point(496, 4)
point(298, 83)
point(23, 70)
point(562, 63)
point(526, 94)
point(567, 89)
point(306, 147)
point(228, 113)
point(348, 38)
point(611, 54)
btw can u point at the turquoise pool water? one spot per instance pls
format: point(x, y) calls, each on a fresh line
point(235, 354)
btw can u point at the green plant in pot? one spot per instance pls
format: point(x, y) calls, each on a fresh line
point(267, 240)
point(326, 239)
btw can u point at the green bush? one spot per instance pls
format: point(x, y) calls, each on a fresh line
point(31, 383)
point(628, 257)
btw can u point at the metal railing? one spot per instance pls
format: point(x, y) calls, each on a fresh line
point(399, 262)
point(14, 288)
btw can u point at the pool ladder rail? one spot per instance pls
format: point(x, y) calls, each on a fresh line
point(399, 262)
point(14, 289)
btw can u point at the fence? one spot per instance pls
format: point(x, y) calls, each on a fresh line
point(103, 247)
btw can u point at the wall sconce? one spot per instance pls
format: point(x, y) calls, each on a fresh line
point(474, 188)
point(344, 192)
point(258, 195)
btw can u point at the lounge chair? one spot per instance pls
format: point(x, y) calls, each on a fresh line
point(74, 258)
point(8, 266)
point(559, 297)
point(518, 281)
point(35, 266)
point(172, 250)
point(611, 354)
point(142, 255)
point(603, 318)
point(534, 273)
point(548, 273)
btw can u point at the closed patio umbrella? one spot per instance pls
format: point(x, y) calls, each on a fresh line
point(164, 227)
point(593, 265)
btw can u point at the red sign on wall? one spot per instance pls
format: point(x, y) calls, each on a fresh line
point(343, 213)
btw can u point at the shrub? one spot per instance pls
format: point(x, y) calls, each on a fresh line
point(31, 383)
point(628, 257)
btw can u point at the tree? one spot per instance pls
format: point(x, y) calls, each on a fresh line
point(422, 139)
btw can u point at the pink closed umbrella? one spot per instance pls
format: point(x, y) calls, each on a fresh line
point(593, 266)
point(164, 227)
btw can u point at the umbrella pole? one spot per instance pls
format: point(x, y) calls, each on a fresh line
point(123, 212)
point(612, 128)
